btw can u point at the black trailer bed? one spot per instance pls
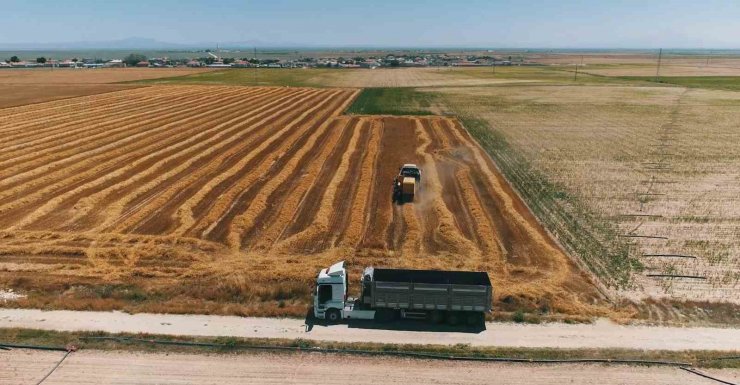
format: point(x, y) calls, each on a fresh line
point(432, 277)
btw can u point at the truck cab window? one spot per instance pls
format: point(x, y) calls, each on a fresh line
point(324, 293)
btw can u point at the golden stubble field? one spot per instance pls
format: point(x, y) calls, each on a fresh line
point(229, 199)
point(405, 77)
point(662, 164)
point(27, 86)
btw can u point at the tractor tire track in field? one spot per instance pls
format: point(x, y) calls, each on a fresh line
point(218, 183)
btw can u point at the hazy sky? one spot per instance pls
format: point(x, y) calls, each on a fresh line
point(545, 24)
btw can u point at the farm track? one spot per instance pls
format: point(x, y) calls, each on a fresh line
point(198, 183)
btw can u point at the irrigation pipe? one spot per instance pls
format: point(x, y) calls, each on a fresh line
point(34, 347)
point(55, 367)
point(698, 373)
point(434, 356)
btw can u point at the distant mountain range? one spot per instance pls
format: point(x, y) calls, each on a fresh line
point(139, 43)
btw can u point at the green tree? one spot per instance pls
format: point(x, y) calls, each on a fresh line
point(75, 60)
point(41, 60)
point(14, 59)
point(132, 59)
point(229, 60)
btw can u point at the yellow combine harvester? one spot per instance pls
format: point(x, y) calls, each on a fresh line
point(407, 183)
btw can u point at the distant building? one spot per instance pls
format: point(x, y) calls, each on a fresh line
point(116, 63)
point(142, 64)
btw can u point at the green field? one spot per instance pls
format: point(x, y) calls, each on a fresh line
point(392, 101)
point(729, 83)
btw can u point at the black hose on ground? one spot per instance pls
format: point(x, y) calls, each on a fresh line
point(393, 353)
point(702, 374)
point(34, 347)
point(66, 354)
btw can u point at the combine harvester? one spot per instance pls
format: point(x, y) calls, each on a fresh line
point(388, 294)
point(407, 183)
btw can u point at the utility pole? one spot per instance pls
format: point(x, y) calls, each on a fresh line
point(575, 76)
point(657, 71)
point(257, 65)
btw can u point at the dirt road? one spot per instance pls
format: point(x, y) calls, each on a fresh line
point(100, 367)
point(601, 334)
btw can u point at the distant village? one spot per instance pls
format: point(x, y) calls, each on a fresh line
point(212, 60)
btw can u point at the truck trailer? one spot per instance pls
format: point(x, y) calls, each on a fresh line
point(386, 294)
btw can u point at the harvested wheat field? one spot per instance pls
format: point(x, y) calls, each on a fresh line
point(646, 174)
point(76, 76)
point(21, 94)
point(405, 77)
point(229, 199)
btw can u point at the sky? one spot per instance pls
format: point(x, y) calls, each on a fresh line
point(382, 23)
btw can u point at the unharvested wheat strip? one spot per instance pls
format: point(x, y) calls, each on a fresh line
point(353, 233)
point(85, 205)
point(121, 132)
point(51, 137)
point(446, 226)
point(184, 214)
point(288, 206)
point(245, 221)
point(108, 164)
point(54, 120)
point(103, 152)
point(320, 225)
point(225, 201)
point(411, 246)
point(59, 106)
point(202, 172)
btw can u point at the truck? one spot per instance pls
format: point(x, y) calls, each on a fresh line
point(454, 297)
point(406, 183)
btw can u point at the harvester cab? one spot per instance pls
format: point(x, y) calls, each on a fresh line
point(407, 183)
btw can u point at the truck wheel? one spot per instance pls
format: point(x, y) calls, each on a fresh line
point(453, 318)
point(385, 315)
point(436, 317)
point(474, 319)
point(332, 316)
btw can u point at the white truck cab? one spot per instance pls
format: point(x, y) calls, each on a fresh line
point(330, 299)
